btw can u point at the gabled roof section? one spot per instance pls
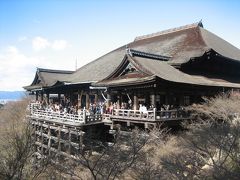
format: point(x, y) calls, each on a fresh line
point(128, 61)
point(167, 72)
point(130, 71)
point(48, 77)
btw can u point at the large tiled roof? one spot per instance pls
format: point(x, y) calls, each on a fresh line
point(180, 44)
point(177, 45)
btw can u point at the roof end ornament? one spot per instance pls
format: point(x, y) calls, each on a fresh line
point(128, 50)
point(200, 24)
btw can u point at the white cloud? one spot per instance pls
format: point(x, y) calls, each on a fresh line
point(22, 38)
point(40, 43)
point(11, 50)
point(16, 69)
point(59, 44)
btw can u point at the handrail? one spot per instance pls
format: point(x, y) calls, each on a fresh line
point(57, 116)
point(82, 118)
point(151, 115)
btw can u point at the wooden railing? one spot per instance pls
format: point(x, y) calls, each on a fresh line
point(152, 115)
point(58, 117)
point(82, 118)
point(86, 118)
point(134, 114)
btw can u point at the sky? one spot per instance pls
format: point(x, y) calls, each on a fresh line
point(65, 34)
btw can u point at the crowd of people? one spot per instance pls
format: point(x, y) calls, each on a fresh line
point(94, 108)
point(62, 107)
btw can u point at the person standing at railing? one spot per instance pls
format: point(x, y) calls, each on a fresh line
point(143, 109)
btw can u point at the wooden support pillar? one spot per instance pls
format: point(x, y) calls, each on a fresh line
point(41, 132)
point(119, 102)
point(108, 100)
point(69, 141)
point(96, 98)
point(84, 116)
point(48, 98)
point(181, 100)
point(146, 125)
point(59, 138)
point(81, 140)
point(135, 102)
point(80, 99)
point(153, 100)
point(59, 98)
point(36, 124)
point(41, 98)
point(167, 99)
point(49, 139)
point(87, 101)
point(36, 95)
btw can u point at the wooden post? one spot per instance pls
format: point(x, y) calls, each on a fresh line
point(154, 114)
point(146, 125)
point(108, 100)
point(69, 141)
point(59, 138)
point(154, 100)
point(80, 99)
point(81, 133)
point(135, 102)
point(59, 98)
point(35, 134)
point(41, 132)
point(49, 139)
point(36, 95)
point(87, 100)
point(84, 116)
point(96, 98)
point(41, 98)
point(48, 98)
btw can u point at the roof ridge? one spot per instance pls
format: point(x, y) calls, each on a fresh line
point(171, 30)
point(54, 71)
point(143, 54)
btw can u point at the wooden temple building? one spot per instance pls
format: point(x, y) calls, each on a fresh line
point(163, 71)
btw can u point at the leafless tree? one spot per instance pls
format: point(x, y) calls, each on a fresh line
point(210, 148)
point(17, 144)
point(110, 161)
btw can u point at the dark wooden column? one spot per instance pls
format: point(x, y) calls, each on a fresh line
point(87, 100)
point(135, 102)
point(36, 95)
point(153, 100)
point(59, 98)
point(108, 100)
point(79, 99)
point(48, 98)
point(96, 98)
point(41, 98)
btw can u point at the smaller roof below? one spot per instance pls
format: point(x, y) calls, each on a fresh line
point(47, 77)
